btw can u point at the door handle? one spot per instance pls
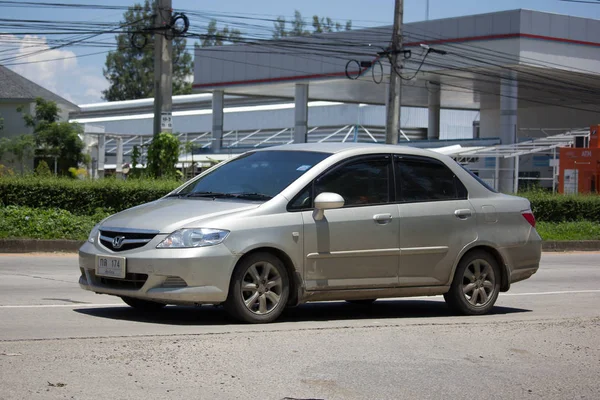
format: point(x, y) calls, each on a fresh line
point(463, 213)
point(382, 218)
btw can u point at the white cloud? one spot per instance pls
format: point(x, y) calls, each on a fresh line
point(55, 69)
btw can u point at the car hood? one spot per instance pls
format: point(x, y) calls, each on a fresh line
point(167, 215)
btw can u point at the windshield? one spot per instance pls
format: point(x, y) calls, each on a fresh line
point(256, 176)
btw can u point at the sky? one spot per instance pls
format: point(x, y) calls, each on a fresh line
point(80, 79)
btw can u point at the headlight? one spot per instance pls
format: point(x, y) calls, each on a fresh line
point(193, 237)
point(94, 233)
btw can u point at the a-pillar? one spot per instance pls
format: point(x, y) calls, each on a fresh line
point(218, 99)
point(508, 130)
point(101, 154)
point(301, 113)
point(433, 128)
point(119, 168)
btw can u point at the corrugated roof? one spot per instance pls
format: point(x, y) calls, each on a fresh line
point(16, 87)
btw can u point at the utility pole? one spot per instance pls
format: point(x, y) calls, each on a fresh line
point(163, 68)
point(395, 89)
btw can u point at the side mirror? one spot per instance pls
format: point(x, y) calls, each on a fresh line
point(327, 201)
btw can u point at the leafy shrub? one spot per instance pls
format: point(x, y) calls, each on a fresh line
point(163, 154)
point(5, 171)
point(78, 173)
point(43, 170)
point(81, 197)
point(39, 223)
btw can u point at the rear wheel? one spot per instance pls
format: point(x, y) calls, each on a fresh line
point(259, 289)
point(365, 302)
point(143, 305)
point(476, 284)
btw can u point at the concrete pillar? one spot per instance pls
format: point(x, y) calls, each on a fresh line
point(119, 157)
point(508, 128)
point(433, 128)
point(301, 113)
point(101, 154)
point(218, 102)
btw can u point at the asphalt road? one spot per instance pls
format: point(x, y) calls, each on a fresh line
point(59, 342)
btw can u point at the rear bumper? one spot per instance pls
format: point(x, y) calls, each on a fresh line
point(524, 260)
point(172, 276)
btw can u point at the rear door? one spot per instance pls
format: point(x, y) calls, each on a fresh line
point(436, 220)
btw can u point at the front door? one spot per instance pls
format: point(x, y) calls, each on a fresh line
point(355, 246)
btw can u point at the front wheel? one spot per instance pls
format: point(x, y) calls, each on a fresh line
point(259, 289)
point(142, 305)
point(476, 284)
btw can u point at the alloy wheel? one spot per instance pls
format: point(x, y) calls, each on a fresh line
point(261, 288)
point(479, 283)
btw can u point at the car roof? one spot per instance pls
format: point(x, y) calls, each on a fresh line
point(355, 148)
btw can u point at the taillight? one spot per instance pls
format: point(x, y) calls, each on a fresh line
point(528, 215)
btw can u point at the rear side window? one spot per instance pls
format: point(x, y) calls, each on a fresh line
point(425, 179)
point(478, 179)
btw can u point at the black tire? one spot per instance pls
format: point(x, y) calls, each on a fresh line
point(456, 298)
point(142, 305)
point(366, 302)
point(236, 303)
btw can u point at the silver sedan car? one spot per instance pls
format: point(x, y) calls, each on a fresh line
point(315, 222)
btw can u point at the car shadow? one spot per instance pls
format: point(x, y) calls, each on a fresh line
point(311, 312)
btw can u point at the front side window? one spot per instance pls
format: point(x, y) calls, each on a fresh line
point(363, 182)
point(258, 175)
point(424, 179)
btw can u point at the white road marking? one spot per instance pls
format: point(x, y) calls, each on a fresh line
point(559, 292)
point(62, 305)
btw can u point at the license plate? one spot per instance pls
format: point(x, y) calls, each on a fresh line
point(111, 267)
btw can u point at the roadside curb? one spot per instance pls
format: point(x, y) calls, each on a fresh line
point(39, 245)
point(568, 245)
point(72, 246)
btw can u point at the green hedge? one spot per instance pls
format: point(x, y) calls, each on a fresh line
point(558, 208)
point(39, 223)
point(81, 197)
point(85, 197)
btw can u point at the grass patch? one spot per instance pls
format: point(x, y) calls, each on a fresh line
point(577, 230)
point(39, 223)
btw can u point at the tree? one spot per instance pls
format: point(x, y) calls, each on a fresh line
point(134, 171)
point(130, 70)
point(53, 139)
point(163, 154)
point(326, 25)
point(22, 147)
point(4, 142)
point(298, 25)
point(189, 147)
point(216, 37)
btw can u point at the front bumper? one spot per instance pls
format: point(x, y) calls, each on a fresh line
point(171, 276)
